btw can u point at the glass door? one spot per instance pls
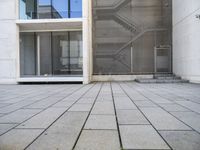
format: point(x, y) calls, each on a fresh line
point(162, 59)
point(44, 54)
point(61, 61)
point(76, 55)
point(67, 53)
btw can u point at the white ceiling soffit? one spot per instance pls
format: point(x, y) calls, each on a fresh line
point(49, 24)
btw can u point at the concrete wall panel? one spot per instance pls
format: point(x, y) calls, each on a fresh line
point(186, 38)
point(8, 41)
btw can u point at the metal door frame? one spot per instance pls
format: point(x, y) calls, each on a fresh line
point(169, 58)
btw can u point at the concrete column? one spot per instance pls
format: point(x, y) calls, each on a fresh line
point(8, 41)
point(87, 42)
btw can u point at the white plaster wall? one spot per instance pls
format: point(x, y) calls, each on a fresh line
point(8, 41)
point(186, 39)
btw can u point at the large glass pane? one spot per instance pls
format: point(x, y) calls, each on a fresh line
point(76, 53)
point(27, 54)
point(51, 53)
point(76, 8)
point(44, 9)
point(126, 34)
point(45, 54)
point(61, 64)
point(27, 9)
point(60, 9)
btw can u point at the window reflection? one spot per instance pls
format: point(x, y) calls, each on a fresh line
point(76, 8)
point(46, 9)
point(51, 54)
point(60, 9)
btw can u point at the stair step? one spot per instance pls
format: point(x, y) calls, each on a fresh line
point(161, 81)
point(164, 75)
point(167, 77)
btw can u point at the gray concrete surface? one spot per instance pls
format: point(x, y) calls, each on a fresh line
point(100, 116)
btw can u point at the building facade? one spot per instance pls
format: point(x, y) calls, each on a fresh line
point(98, 40)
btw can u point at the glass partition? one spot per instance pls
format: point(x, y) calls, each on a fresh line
point(60, 9)
point(127, 33)
point(28, 9)
point(60, 43)
point(46, 9)
point(76, 52)
point(44, 53)
point(75, 8)
point(28, 54)
point(51, 54)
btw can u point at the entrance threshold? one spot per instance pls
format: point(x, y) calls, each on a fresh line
point(50, 79)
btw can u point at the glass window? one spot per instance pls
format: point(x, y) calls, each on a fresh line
point(76, 55)
point(60, 9)
point(51, 53)
point(67, 53)
point(27, 9)
point(46, 9)
point(45, 53)
point(44, 2)
point(76, 8)
point(27, 54)
point(60, 44)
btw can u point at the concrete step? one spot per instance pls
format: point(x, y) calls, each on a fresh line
point(164, 75)
point(161, 81)
point(167, 77)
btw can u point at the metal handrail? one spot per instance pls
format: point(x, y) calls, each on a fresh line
point(113, 7)
point(138, 36)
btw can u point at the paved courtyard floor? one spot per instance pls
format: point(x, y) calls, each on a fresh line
point(100, 116)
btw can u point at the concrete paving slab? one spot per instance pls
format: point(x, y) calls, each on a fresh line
point(101, 122)
point(4, 104)
point(18, 139)
point(141, 137)
point(190, 105)
point(65, 104)
point(182, 140)
point(120, 94)
point(128, 117)
point(162, 120)
point(190, 118)
point(86, 100)
point(45, 102)
point(124, 103)
point(101, 98)
point(105, 108)
point(15, 106)
point(173, 107)
point(5, 127)
point(19, 116)
point(145, 104)
point(81, 107)
point(62, 134)
point(43, 119)
point(98, 140)
point(160, 100)
point(2, 115)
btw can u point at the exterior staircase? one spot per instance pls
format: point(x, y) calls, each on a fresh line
point(163, 78)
